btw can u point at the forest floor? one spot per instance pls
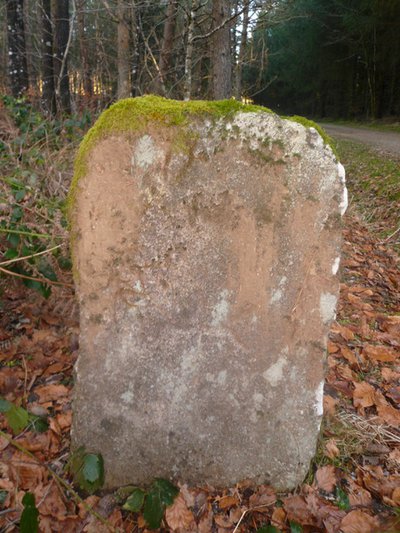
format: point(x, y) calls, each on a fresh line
point(353, 485)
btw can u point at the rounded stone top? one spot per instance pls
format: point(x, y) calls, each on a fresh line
point(133, 115)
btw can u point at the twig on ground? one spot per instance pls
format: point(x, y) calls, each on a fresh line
point(40, 280)
point(248, 511)
point(11, 261)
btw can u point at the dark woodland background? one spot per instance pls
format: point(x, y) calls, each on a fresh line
point(321, 58)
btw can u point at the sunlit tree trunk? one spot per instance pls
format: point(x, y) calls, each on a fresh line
point(17, 66)
point(124, 82)
point(189, 52)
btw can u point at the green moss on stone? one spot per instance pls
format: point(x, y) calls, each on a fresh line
point(311, 124)
point(134, 114)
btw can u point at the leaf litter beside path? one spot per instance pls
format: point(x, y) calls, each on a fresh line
point(353, 485)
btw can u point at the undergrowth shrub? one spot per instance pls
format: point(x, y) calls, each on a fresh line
point(37, 157)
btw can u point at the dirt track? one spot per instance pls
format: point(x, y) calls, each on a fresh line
point(382, 141)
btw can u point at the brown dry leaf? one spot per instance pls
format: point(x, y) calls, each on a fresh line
point(326, 514)
point(358, 496)
point(223, 520)
point(326, 478)
point(25, 472)
point(359, 522)
point(343, 331)
point(278, 517)
point(178, 516)
point(331, 449)
point(348, 355)
point(396, 496)
point(394, 457)
point(389, 414)
point(332, 347)
point(390, 375)
point(52, 503)
point(345, 372)
point(391, 324)
point(394, 394)
point(297, 510)
point(226, 502)
point(376, 481)
point(380, 353)
point(363, 396)
point(52, 392)
point(189, 495)
point(206, 521)
point(329, 405)
point(264, 497)
point(236, 514)
point(90, 502)
point(64, 420)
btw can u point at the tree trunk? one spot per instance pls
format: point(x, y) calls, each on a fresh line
point(135, 50)
point(168, 40)
point(17, 66)
point(48, 88)
point(189, 52)
point(124, 84)
point(242, 50)
point(221, 60)
point(62, 29)
point(84, 50)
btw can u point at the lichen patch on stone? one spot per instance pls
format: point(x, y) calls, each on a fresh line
point(327, 306)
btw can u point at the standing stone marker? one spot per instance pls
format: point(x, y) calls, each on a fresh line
point(206, 242)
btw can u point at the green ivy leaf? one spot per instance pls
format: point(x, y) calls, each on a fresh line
point(268, 529)
point(295, 527)
point(93, 468)
point(47, 270)
point(342, 499)
point(135, 501)
point(41, 288)
point(3, 497)
point(88, 470)
point(5, 405)
point(38, 423)
point(17, 418)
point(153, 511)
point(29, 517)
point(168, 492)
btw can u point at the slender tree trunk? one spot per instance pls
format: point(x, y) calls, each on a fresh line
point(124, 83)
point(135, 50)
point(17, 66)
point(189, 52)
point(242, 50)
point(48, 88)
point(221, 59)
point(62, 29)
point(84, 50)
point(168, 40)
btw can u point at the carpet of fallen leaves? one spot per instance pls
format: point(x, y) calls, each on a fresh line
point(354, 483)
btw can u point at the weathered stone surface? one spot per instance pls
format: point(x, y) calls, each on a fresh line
point(206, 256)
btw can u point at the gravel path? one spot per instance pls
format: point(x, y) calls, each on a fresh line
point(383, 141)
